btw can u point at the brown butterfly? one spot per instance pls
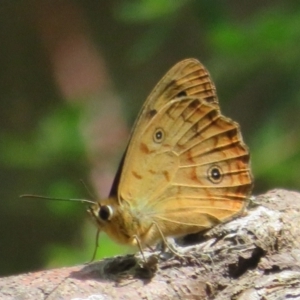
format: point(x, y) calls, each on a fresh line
point(185, 169)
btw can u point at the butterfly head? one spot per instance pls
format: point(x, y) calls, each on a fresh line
point(102, 213)
point(111, 218)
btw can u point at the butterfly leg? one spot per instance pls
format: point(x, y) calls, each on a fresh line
point(150, 248)
point(140, 246)
point(149, 264)
point(96, 246)
point(181, 256)
point(166, 243)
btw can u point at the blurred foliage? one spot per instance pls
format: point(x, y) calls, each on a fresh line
point(251, 50)
point(56, 137)
point(147, 10)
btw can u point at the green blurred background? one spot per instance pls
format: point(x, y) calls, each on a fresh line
point(73, 77)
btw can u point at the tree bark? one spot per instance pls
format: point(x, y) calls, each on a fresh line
point(256, 256)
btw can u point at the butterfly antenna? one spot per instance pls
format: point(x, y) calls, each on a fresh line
point(87, 189)
point(57, 199)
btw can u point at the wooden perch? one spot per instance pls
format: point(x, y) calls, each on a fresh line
point(256, 256)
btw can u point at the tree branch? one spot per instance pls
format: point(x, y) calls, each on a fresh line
point(256, 256)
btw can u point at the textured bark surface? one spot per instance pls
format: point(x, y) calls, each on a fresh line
point(256, 256)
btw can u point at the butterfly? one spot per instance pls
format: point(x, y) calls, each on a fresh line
point(185, 169)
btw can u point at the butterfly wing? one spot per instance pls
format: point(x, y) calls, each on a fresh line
point(186, 165)
point(187, 78)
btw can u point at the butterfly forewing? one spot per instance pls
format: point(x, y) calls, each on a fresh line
point(187, 78)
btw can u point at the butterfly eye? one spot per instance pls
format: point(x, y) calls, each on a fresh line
point(105, 213)
point(215, 174)
point(159, 135)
